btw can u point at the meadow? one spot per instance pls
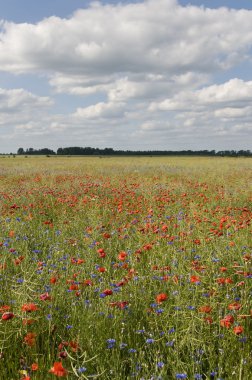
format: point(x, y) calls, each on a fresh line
point(125, 268)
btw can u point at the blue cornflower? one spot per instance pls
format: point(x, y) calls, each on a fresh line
point(172, 330)
point(181, 376)
point(111, 343)
point(170, 343)
point(243, 339)
point(82, 369)
point(123, 345)
point(198, 376)
point(149, 341)
point(131, 350)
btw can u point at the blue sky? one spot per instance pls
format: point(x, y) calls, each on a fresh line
point(150, 74)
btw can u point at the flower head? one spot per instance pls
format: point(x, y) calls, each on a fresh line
point(58, 370)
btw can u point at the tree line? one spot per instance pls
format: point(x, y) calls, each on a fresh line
point(88, 151)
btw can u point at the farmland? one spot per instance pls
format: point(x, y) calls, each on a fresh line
point(125, 268)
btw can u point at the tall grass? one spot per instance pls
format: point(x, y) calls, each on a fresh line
point(123, 268)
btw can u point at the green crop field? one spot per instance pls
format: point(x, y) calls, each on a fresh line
point(125, 268)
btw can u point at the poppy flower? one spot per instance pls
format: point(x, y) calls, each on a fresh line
point(197, 241)
point(29, 307)
point(34, 366)
point(122, 256)
point(74, 346)
point(62, 345)
point(58, 370)
point(30, 339)
point(101, 269)
point(7, 315)
point(107, 292)
point(227, 321)
point(28, 322)
point(195, 279)
point(62, 354)
point(234, 306)
point(45, 297)
point(101, 252)
point(4, 308)
point(208, 320)
point(238, 330)
point(205, 309)
point(161, 297)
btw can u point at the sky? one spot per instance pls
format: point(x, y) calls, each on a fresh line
point(135, 75)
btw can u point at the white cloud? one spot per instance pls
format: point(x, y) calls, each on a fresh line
point(152, 37)
point(19, 100)
point(150, 69)
point(100, 111)
point(18, 105)
point(234, 93)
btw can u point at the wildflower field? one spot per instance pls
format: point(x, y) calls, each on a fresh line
point(125, 268)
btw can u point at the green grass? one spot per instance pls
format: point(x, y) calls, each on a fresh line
point(177, 219)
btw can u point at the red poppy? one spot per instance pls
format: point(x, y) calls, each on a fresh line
point(227, 321)
point(238, 330)
point(29, 307)
point(74, 346)
point(208, 320)
point(223, 269)
point(8, 315)
point(161, 297)
point(58, 370)
point(73, 287)
point(205, 309)
point(4, 308)
point(195, 279)
point(101, 252)
point(45, 297)
point(30, 339)
point(197, 241)
point(63, 344)
point(122, 256)
point(107, 292)
point(101, 269)
point(34, 366)
point(234, 306)
point(28, 322)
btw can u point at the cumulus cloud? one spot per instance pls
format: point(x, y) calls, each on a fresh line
point(151, 36)
point(100, 110)
point(234, 93)
point(18, 105)
point(151, 66)
point(19, 100)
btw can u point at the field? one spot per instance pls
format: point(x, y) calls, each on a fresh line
point(125, 268)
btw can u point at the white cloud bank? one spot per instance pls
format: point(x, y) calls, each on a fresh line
point(153, 62)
